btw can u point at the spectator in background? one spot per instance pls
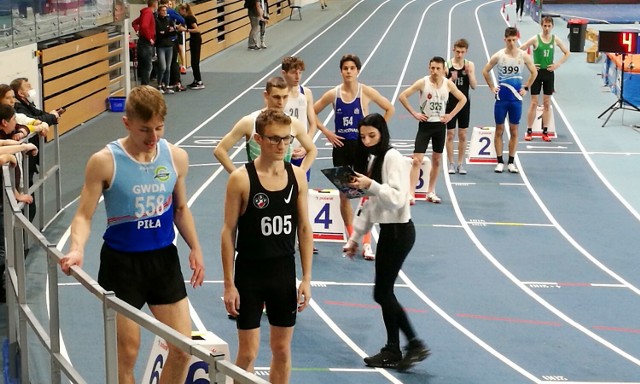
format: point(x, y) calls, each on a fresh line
point(9, 130)
point(26, 97)
point(255, 13)
point(7, 97)
point(165, 34)
point(178, 40)
point(145, 27)
point(21, 96)
point(264, 5)
point(195, 44)
point(8, 149)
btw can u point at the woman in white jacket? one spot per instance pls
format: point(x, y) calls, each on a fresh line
point(384, 173)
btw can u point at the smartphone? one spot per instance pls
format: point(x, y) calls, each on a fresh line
point(61, 111)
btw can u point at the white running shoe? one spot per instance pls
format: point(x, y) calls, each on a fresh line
point(367, 252)
point(461, 170)
point(512, 168)
point(499, 168)
point(433, 198)
point(452, 168)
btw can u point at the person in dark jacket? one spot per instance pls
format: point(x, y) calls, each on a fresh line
point(25, 97)
point(145, 27)
point(25, 102)
point(165, 36)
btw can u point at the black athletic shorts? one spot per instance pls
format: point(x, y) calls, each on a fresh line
point(436, 132)
point(152, 277)
point(345, 155)
point(269, 284)
point(461, 119)
point(545, 81)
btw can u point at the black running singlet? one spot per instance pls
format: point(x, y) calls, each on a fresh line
point(268, 227)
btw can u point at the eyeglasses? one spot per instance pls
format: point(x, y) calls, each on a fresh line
point(275, 140)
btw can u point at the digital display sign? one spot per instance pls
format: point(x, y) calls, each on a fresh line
point(619, 42)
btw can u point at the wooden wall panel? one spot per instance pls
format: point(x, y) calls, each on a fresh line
point(74, 47)
point(72, 63)
point(60, 84)
point(81, 74)
point(77, 93)
point(82, 111)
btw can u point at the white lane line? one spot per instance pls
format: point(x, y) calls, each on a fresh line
point(407, 281)
point(62, 242)
point(511, 276)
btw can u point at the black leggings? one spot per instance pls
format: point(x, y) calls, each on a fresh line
point(194, 48)
point(394, 244)
point(519, 7)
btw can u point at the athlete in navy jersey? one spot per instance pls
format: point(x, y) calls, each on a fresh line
point(142, 178)
point(350, 102)
point(511, 86)
point(265, 208)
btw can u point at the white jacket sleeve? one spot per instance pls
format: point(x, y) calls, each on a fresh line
point(361, 222)
point(394, 190)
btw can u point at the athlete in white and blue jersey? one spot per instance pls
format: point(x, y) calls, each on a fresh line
point(142, 178)
point(511, 62)
point(139, 200)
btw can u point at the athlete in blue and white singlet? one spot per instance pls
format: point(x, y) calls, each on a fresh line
point(510, 63)
point(510, 76)
point(140, 209)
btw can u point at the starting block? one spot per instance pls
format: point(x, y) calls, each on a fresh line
point(481, 147)
point(324, 211)
point(423, 178)
point(198, 369)
point(537, 123)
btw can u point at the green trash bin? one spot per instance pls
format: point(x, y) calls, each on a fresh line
point(577, 34)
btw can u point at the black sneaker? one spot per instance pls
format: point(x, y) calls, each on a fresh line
point(415, 352)
point(388, 357)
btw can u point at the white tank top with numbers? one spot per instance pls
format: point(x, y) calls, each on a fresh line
point(297, 107)
point(434, 100)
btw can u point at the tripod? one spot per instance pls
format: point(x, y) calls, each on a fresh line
point(619, 104)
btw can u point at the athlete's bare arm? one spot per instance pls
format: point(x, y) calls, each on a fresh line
point(305, 237)
point(307, 143)
point(404, 99)
point(243, 128)
point(98, 173)
point(235, 204)
point(565, 55)
point(319, 106)
point(471, 72)
point(486, 72)
point(183, 218)
point(371, 94)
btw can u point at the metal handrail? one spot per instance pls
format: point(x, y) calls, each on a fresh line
point(18, 231)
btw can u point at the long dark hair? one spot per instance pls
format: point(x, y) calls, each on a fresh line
point(379, 150)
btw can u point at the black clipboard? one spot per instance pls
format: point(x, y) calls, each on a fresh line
point(340, 176)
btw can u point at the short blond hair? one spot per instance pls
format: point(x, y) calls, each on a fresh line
point(144, 102)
